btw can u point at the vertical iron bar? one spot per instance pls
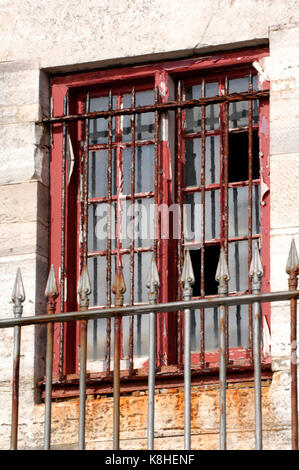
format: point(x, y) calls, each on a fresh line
point(118, 289)
point(180, 204)
point(222, 277)
point(203, 206)
point(151, 380)
point(250, 159)
point(116, 383)
point(256, 273)
point(132, 245)
point(108, 256)
point(51, 293)
point(15, 388)
point(18, 297)
point(188, 280)
point(152, 284)
point(84, 289)
point(292, 269)
point(226, 163)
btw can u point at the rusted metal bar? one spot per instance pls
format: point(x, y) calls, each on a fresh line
point(292, 268)
point(168, 106)
point(132, 243)
point(203, 221)
point(179, 170)
point(146, 308)
point(51, 294)
point(250, 160)
point(157, 172)
point(84, 290)
point(256, 273)
point(152, 284)
point(108, 254)
point(225, 203)
point(18, 297)
point(187, 280)
point(222, 277)
point(118, 289)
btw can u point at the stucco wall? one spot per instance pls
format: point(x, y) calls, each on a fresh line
point(38, 37)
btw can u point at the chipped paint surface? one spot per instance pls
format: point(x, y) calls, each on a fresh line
point(169, 419)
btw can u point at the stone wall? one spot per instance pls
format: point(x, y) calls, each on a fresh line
point(38, 38)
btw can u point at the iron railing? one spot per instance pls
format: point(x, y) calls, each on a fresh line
point(118, 311)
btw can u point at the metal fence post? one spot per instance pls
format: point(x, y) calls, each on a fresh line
point(222, 277)
point(118, 289)
point(187, 280)
point(292, 268)
point(51, 293)
point(84, 290)
point(18, 297)
point(152, 284)
point(256, 272)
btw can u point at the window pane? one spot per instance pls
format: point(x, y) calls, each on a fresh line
point(239, 112)
point(193, 116)
point(144, 222)
point(144, 169)
point(195, 330)
point(142, 263)
point(238, 85)
point(144, 122)
point(238, 266)
point(238, 331)
point(192, 211)
point(96, 340)
point(238, 320)
point(97, 273)
point(255, 210)
point(98, 128)
point(97, 174)
point(212, 214)
point(127, 166)
point(211, 329)
point(212, 169)
point(97, 227)
point(238, 212)
point(193, 162)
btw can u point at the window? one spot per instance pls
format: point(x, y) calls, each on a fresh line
point(172, 156)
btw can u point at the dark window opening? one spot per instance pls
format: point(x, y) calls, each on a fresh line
point(211, 258)
point(238, 156)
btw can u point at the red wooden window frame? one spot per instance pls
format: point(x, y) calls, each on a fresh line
point(65, 212)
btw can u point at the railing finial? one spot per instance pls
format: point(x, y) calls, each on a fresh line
point(187, 277)
point(51, 287)
point(293, 261)
point(119, 286)
point(292, 267)
point(18, 294)
point(51, 291)
point(153, 281)
point(256, 271)
point(84, 288)
point(222, 274)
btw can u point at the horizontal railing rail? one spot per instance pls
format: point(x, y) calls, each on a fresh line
point(187, 304)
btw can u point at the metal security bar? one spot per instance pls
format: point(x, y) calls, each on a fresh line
point(118, 312)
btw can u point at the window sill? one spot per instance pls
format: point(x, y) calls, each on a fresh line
point(167, 377)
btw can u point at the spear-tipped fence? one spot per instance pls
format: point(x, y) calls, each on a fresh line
point(118, 311)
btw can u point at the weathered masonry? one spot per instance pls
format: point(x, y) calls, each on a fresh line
point(148, 194)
